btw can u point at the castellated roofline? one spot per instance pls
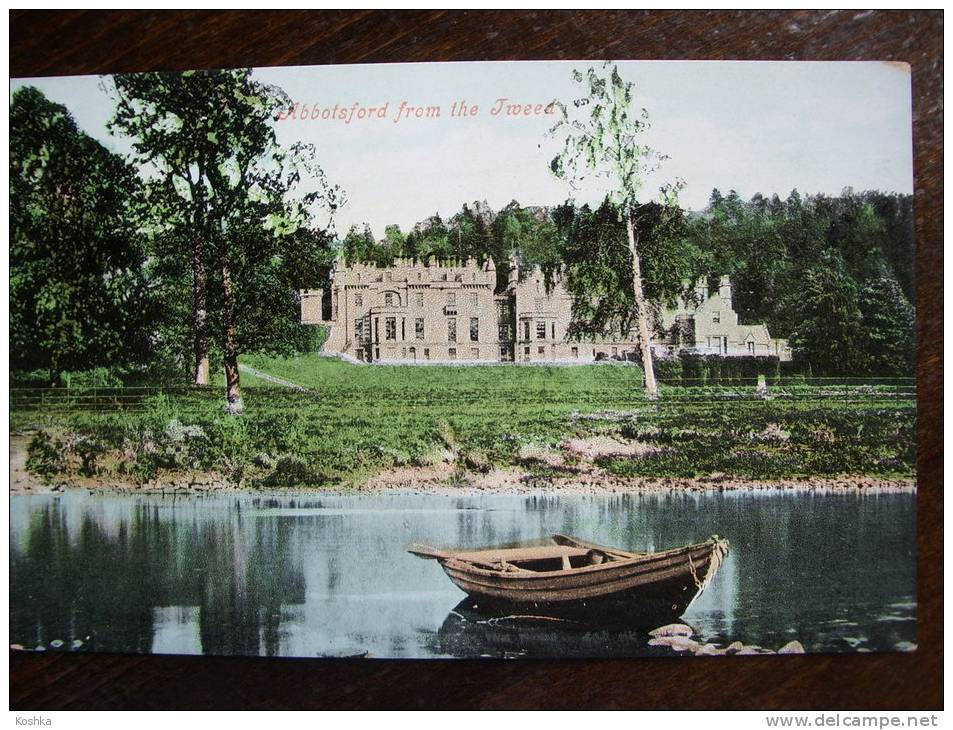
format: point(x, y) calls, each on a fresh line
point(431, 262)
point(414, 271)
point(425, 310)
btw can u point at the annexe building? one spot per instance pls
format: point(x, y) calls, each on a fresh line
point(418, 312)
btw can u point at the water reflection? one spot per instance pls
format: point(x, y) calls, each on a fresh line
point(466, 632)
point(327, 575)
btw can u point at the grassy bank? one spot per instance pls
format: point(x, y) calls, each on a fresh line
point(360, 420)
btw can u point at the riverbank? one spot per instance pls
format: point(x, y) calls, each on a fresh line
point(583, 477)
point(516, 429)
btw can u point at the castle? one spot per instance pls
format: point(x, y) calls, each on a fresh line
point(418, 312)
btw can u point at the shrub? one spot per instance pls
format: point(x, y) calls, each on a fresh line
point(46, 456)
point(720, 369)
point(291, 471)
point(668, 370)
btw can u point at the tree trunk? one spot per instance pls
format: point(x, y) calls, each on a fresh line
point(233, 394)
point(641, 310)
point(199, 314)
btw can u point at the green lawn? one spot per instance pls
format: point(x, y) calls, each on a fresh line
point(360, 419)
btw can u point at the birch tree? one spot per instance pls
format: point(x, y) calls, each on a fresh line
point(602, 133)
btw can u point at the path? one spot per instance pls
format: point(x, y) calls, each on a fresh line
point(272, 379)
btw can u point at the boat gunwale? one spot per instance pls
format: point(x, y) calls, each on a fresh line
point(468, 566)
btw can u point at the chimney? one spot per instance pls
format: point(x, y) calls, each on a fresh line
point(724, 288)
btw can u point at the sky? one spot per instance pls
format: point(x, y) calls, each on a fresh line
point(765, 127)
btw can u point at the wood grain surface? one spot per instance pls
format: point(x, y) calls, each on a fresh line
point(74, 42)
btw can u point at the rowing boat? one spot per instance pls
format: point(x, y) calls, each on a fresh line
point(579, 580)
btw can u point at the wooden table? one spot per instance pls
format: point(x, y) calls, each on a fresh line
point(53, 43)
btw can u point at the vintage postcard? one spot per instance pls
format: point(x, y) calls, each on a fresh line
point(535, 359)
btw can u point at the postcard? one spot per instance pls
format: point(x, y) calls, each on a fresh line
point(511, 359)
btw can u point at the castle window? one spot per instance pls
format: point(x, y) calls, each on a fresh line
point(358, 300)
point(475, 299)
point(419, 328)
point(451, 299)
point(526, 332)
point(451, 330)
point(390, 328)
point(419, 299)
point(474, 329)
point(389, 299)
point(358, 328)
point(554, 330)
point(541, 350)
point(751, 348)
point(540, 330)
point(575, 353)
point(426, 353)
point(452, 353)
point(716, 317)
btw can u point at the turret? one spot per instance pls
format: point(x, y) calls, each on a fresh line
point(514, 271)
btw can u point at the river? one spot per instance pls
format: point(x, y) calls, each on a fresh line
point(328, 575)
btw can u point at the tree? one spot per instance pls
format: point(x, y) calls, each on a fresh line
point(430, 238)
point(601, 137)
point(598, 265)
point(221, 175)
point(887, 327)
point(359, 245)
point(527, 235)
point(828, 330)
point(78, 297)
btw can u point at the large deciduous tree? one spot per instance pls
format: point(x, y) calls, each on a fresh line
point(219, 174)
point(602, 133)
point(78, 298)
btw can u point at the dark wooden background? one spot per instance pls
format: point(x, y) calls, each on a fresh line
point(78, 42)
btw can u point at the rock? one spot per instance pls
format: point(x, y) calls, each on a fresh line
point(709, 650)
point(905, 646)
point(676, 643)
point(56, 643)
point(734, 647)
point(77, 643)
point(747, 651)
point(17, 647)
point(792, 647)
point(672, 630)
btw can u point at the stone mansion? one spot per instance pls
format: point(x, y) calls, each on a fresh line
point(417, 312)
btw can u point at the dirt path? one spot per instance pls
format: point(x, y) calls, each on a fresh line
point(272, 379)
point(22, 481)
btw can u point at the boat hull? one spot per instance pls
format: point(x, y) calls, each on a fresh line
point(645, 590)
